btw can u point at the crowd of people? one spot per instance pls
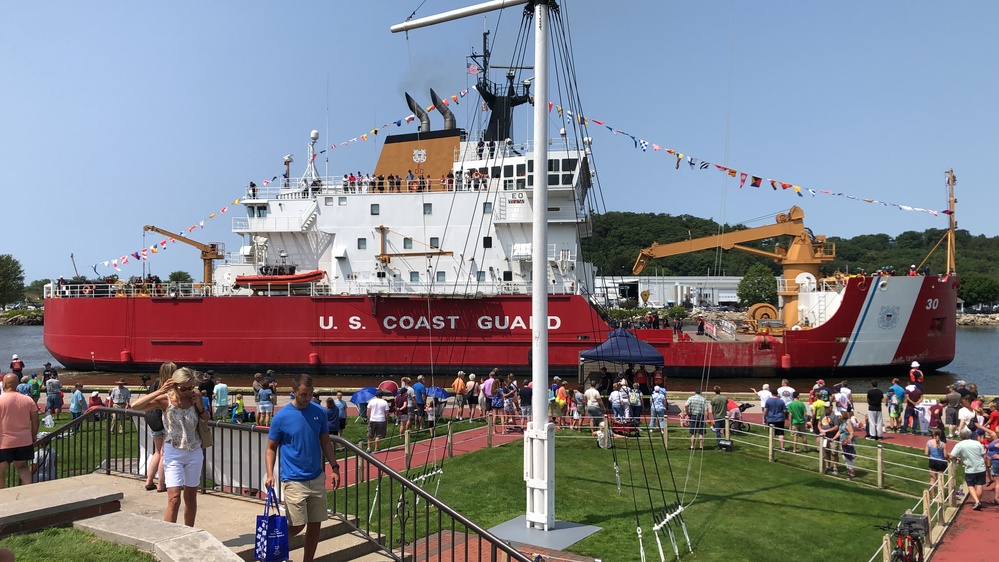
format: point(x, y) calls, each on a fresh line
point(821, 418)
point(463, 180)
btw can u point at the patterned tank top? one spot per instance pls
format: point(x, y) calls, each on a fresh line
point(182, 428)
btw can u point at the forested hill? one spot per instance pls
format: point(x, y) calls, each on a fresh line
point(618, 236)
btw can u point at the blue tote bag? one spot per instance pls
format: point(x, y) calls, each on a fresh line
point(271, 538)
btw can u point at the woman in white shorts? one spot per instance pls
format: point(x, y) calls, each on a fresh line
point(182, 456)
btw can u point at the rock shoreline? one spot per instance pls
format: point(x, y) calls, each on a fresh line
point(22, 320)
point(978, 319)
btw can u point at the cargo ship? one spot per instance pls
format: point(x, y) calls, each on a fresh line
point(424, 265)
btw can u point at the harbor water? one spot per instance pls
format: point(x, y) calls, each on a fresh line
point(977, 360)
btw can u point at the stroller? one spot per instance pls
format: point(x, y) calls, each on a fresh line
point(735, 417)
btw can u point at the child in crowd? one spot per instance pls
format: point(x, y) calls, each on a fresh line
point(239, 412)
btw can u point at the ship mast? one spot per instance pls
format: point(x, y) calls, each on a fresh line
point(539, 439)
point(951, 239)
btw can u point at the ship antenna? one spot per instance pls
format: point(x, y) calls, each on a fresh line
point(951, 239)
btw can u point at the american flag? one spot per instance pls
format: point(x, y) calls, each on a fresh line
point(473, 69)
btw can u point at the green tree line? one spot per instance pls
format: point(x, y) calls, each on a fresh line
point(618, 237)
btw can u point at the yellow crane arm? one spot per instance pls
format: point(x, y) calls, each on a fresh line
point(791, 224)
point(209, 252)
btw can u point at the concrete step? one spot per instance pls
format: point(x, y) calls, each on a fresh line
point(47, 504)
point(377, 556)
point(171, 542)
point(330, 530)
point(342, 548)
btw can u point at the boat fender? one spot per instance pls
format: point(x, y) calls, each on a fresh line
point(126, 356)
point(785, 362)
point(313, 359)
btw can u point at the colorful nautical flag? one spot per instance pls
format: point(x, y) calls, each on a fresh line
point(756, 181)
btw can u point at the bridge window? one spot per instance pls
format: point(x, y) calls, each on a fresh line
point(441, 276)
point(521, 170)
point(569, 164)
point(553, 179)
point(480, 276)
point(566, 179)
point(508, 171)
point(553, 165)
point(407, 243)
point(362, 243)
point(414, 276)
point(507, 185)
point(487, 207)
point(508, 276)
point(435, 242)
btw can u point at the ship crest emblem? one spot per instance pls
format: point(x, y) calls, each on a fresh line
point(420, 155)
point(888, 318)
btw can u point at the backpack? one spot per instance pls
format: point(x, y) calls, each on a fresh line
point(634, 398)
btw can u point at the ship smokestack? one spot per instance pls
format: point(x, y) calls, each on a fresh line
point(443, 109)
point(419, 112)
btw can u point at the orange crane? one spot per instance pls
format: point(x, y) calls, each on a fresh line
point(804, 254)
point(209, 252)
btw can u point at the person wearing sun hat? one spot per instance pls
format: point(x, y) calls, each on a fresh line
point(16, 366)
point(915, 375)
point(120, 398)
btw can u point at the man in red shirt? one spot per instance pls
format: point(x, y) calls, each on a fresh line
point(19, 420)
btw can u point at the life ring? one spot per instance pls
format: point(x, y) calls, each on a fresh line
point(87, 289)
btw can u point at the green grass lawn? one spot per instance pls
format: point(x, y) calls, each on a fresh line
point(738, 506)
point(66, 543)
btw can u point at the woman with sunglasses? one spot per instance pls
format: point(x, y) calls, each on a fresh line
point(182, 457)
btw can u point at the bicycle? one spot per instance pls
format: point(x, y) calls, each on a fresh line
point(908, 542)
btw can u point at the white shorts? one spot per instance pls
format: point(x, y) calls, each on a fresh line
point(181, 467)
point(265, 408)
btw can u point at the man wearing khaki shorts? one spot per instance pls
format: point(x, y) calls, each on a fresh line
point(301, 430)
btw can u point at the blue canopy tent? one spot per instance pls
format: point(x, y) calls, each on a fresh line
point(623, 347)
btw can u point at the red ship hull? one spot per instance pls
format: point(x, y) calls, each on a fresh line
point(875, 327)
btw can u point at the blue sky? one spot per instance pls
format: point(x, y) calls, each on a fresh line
point(119, 114)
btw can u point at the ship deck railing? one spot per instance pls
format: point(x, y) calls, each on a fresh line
point(318, 289)
point(299, 189)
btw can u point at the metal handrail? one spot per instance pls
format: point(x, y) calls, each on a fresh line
point(235, 466)
point(364, 463)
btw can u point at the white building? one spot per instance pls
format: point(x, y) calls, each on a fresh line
point(701, 290)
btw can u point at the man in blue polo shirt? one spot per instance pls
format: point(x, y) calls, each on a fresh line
point(301, 430)
point(420, 390)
